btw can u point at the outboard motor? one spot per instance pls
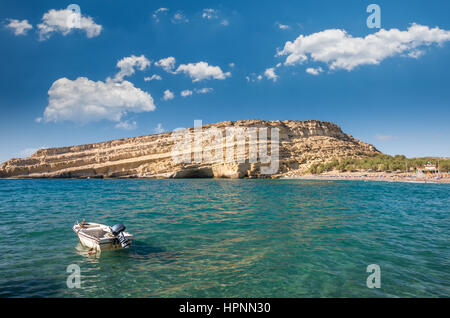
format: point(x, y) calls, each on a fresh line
point(117, 230)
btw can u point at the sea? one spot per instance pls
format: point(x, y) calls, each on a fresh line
point(227, 238)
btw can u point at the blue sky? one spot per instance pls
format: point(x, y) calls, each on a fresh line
point(399, 103)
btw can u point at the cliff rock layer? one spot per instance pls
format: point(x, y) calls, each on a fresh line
point(301, 143)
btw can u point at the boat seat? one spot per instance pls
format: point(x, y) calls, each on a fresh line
point(96, 232)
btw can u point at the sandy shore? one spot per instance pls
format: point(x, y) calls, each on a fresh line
point(374, 176)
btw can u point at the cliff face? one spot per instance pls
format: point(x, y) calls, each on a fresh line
point(301, 143)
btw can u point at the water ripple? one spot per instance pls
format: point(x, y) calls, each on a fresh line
point(227, 238)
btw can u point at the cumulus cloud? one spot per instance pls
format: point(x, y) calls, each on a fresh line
point(167, 64)
point(127, 125)
point(270, 74)
point(209, 14)
point(225, 22)
point(128, 64)
point(179, 17)
point(314, 71)
point(186, 93)
point(168, 95)
point(159, 129)
point(83, 100)
point(202, 70)
point(19, 27)
point(153, 77)
point(158, 12)
point(61, 21)
point(340, 50)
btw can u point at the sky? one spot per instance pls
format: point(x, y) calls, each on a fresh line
point(120, 69)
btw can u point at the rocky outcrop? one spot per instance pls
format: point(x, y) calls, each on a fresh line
point(301, 143)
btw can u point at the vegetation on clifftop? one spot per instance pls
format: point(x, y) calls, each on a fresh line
point(379, 162)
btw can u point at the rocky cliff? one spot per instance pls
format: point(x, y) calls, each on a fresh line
point(301, 143)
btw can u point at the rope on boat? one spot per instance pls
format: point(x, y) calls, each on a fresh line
point(81, 225)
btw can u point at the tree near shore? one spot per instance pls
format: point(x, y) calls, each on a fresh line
point(380, 163)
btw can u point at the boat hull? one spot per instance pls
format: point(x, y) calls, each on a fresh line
point(98, 243)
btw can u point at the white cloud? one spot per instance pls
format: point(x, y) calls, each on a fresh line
point(231, 65)
point(283, 26)
point(253, 77)
point(127, 125)
point(209, 14)
point(416, 54)
point(153, 77)
point(128, 64)
point(83, 100)
point(339, 50)
point(186, 93)
point(179, 17)
point(201, 71)
point(213, 14)
point(168, 95)
point(61, 21)
point(270, 74)
point(314, 71)
point(167, 64)
point(204, 90)
point(158, 12)
point(19, 27)
point(159, 129)
point(161, 10)
point(197, 71)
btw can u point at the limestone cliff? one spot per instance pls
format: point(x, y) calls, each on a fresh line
point(301, 143)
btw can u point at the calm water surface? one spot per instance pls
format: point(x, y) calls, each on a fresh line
point(227, 238)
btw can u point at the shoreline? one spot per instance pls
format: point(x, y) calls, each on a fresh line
point(374, 176)
point(383, 177)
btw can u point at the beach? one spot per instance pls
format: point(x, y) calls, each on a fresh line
point(375, 176)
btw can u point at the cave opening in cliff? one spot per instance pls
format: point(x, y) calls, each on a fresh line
point(196, 173)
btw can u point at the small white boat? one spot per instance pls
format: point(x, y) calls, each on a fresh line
point(101, 237)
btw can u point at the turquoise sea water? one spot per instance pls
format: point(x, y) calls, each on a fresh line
point(227, 238)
